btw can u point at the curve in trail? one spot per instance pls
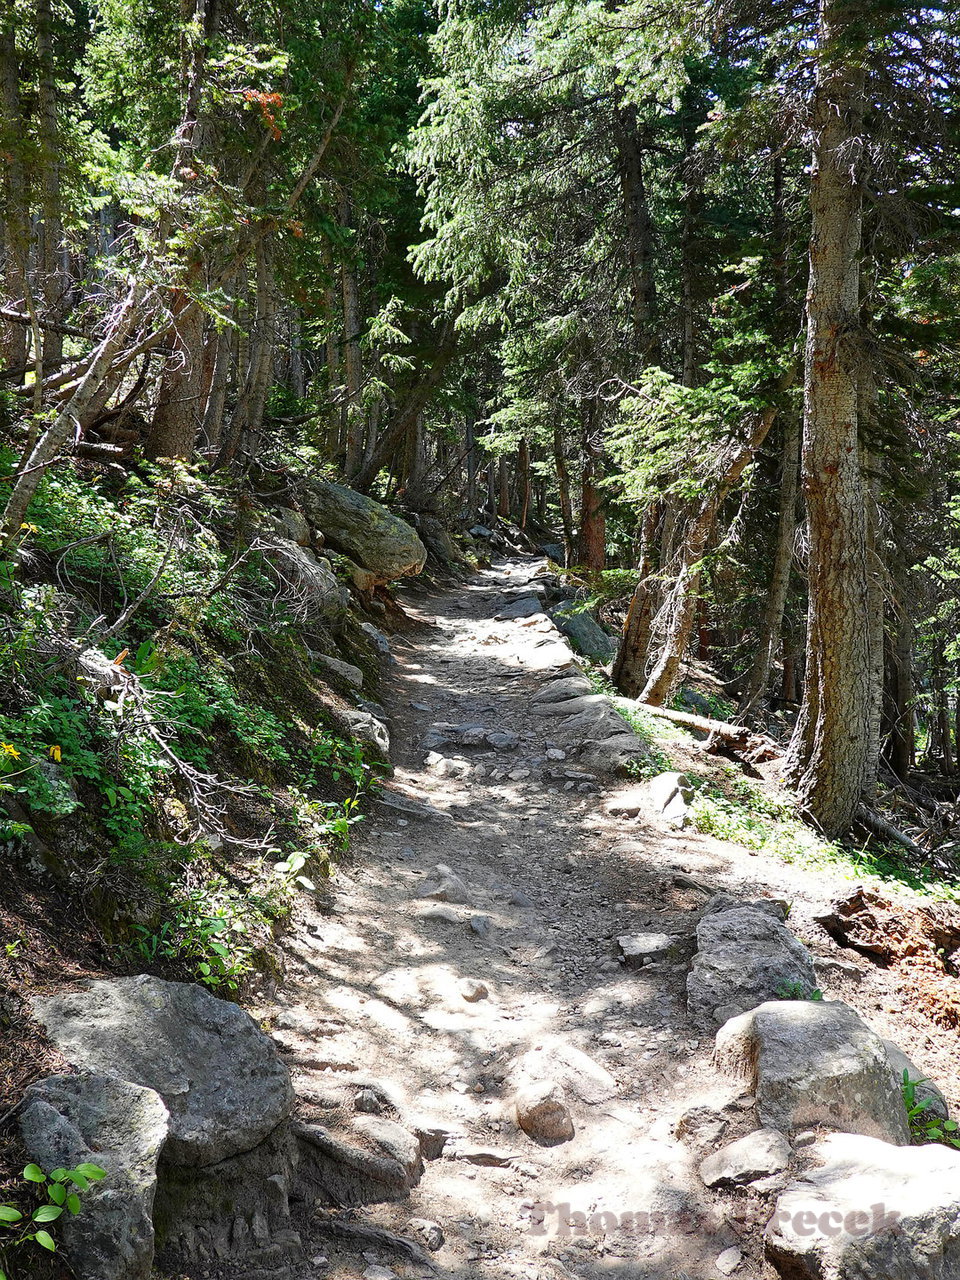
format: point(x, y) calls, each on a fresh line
point(427, 996)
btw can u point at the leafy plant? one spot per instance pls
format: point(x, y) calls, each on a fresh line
point(798, 991)
point(926, 1128)
point(63, 1188)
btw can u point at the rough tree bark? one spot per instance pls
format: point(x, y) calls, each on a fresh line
point(16, 229)
point(592, 549)
point(769, 639)
point(830, 749)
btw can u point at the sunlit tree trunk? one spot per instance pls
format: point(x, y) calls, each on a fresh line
point(831, 746)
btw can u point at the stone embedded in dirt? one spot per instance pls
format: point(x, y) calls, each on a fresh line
point(668, 795)
point(221, 1078)
point(363, 529)
point(728, 1261)
point(376, 1272)
point(91, 1118)
point(365, 726)
point(447, 766)
point(518, 898)
point(554, 753)
point(924, 1088)
point(481, 926)
point(440, 911)
point(757, 1155)
point(473, 990)
point(377, 1161)
point(345, 670)
point(562, 690)
point(576, 1072)
point(628, 803)
point(815, 1063)
point(701, 1126)
point(869, 1210)
point(618, 754)
point(431, 1233)
point(444, 885)
point(502, 740)
point(368, 1101)
point(744, 956)
point(572, 706)
point(638, 949)
point(525, 607)
point(542, 1113)
point(479, 1153)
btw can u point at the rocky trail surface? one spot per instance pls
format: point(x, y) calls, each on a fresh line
point(465, 971)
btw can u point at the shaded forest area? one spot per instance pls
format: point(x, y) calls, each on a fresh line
point(670, 290)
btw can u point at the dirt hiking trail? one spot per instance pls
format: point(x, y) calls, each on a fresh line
point(433, 1010)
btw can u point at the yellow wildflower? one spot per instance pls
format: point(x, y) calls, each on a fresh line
point(9, 749)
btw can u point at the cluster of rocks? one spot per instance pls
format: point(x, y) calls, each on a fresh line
point(830, 1136)
point(188, 1107)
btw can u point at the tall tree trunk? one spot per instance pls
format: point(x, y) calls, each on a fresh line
point(503, 489)
point(179, 411)
point(630, 667)
point(470, 442)
point(523, 477)
point(563, 489)
point(769, 639)
point(899, 715)
point(352, 440)
point(831, 745)
point(638, 227)
point(593, 532)
point(16, 227)
point(53, 282)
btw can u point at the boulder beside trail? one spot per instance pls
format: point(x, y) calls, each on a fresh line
point(745, 955)
point(584, 633)
point(815, 1064)
point(869, 1211)
point(92, 1118)
point(364, 530)
point(219, 1075)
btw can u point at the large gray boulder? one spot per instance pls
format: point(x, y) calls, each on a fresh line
point(91, 1118)
point(584, 633)
point(869, 1211)
point(223, 1083)
point(364, 530)
point(745, 955)
point(815, 1064)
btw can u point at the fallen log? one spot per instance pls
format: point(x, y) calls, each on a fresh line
point(739, 736)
